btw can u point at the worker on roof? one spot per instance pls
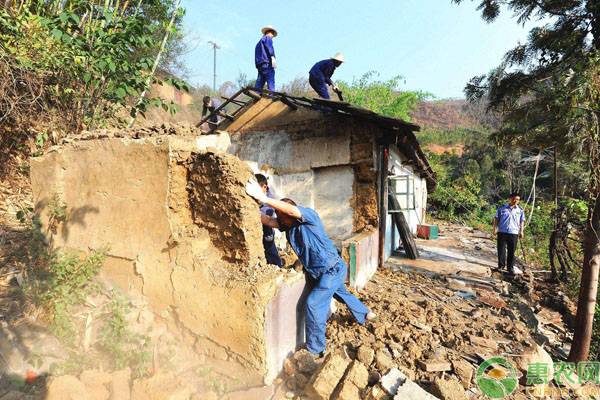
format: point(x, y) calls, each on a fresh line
point(324, 269)
point(320, 75)
point(209, 105)
point(271, 253)
point(264, 59)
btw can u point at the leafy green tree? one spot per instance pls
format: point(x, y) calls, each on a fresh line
point(548, 90)
point(383, 97)
point(91, 59)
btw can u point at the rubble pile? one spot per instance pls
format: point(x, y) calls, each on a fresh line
point(427, 337)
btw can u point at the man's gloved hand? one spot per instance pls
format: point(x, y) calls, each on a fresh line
point(254, 190)
point(273, 62)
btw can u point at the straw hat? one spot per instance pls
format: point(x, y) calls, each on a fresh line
point(267, 29)
point(339, 57)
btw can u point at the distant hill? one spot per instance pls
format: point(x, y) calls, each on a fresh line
point(445, 114)
point(447, 125)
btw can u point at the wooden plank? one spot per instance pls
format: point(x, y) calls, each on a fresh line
point(288, 103)
point(237, 102)
point(384, 156)
point(408, 241)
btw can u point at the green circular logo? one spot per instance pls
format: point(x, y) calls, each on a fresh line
point(497, 378)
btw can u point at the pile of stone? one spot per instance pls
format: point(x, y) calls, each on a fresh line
point(339, 377)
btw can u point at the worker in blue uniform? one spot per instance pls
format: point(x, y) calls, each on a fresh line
point(324, 269)
point(320, 75)
point(271, 252)
point(264, 59)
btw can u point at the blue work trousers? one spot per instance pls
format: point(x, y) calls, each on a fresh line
point(271, 253)
point(319, 86)
point(266, 74)
point(329, 285)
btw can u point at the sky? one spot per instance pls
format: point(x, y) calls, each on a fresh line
point(437, 46)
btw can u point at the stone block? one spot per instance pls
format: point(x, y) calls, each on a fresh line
point(358, 374)
point(384, 360)
point(448, 389)
point(365, 355)
point(327, 377)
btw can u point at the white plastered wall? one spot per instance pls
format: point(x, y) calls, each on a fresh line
point(313, 171)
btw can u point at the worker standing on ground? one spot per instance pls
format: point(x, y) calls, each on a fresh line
point(271, 253)
point(209, 105)
point(509, 225)
point(320, 75)
point(324, 269)
point(264, 59)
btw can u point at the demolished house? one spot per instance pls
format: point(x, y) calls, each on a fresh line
point(341, 160)
point(170, 207)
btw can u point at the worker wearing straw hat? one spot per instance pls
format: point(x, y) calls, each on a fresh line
point(264, 59)
point(320, 75)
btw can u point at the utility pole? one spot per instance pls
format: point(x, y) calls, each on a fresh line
point(215, 47)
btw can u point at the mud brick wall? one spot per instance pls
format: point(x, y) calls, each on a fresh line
point(182, 232)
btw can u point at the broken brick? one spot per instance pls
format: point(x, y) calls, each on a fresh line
point(365, 355)
point(383, 360)
point(358, 374)
point(448, 389)
point(464, 371)
point(434, 365)
point(483, 342)
point(327, 377)
point(492, 301)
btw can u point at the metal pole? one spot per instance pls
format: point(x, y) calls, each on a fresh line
point(215, 47)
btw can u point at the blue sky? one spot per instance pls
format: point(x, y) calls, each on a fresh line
point(435, 45)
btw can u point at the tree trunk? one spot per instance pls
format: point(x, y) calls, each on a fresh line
point(593, 7)
point(586, 305)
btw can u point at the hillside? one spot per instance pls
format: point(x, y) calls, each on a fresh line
point(446, 125)
point(444, 114)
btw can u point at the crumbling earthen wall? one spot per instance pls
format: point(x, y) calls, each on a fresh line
point(362, 150)
point(322, 161)
point(180, 229)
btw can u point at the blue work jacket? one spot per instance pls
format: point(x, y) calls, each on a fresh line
point(314, 249)
point(264, 51)
point(323, 71)
point(510, 219)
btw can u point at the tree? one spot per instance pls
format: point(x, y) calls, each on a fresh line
point(383, 97)
point(87, 60)
point(548, 91)
point(299, 86)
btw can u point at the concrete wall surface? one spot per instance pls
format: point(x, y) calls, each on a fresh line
point(181, 231)
point(361, 252)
